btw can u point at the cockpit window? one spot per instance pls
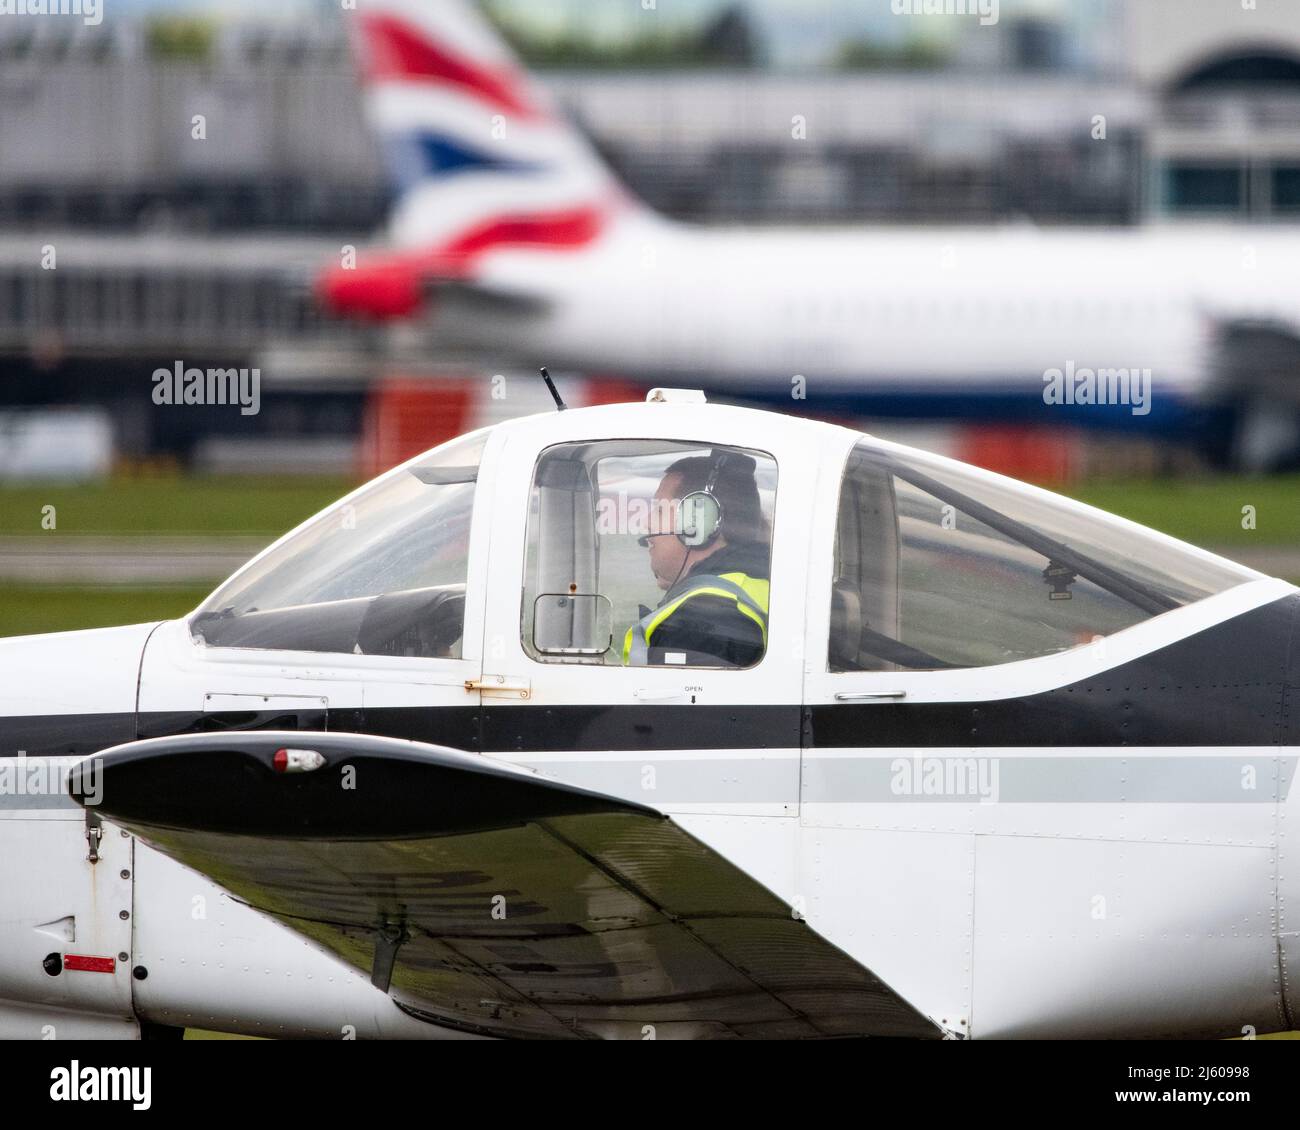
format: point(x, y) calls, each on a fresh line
point(937, 566)
point(648, 553)
point(381, 574)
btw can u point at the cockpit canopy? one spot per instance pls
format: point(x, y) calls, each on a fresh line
point(930, 564)
point(382, 573)
point(938, 565)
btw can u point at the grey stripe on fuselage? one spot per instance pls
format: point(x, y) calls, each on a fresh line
point(38, 784)
point(1246, 775)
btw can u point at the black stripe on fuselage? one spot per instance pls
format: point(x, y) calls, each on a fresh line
point(52, 735)
point(1236, 683)
point(1225, 686)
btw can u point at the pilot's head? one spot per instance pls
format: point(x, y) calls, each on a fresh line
point(729, 477)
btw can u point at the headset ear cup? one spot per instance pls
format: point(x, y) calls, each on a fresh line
point(698, 518)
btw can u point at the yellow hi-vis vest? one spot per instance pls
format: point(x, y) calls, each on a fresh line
point(749, 593)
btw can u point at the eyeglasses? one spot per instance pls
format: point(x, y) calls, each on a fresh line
point(644, 540)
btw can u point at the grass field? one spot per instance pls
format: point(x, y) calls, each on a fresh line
point(170, 505)
point(144, 507)
point(1205, 511)
point(28, 609)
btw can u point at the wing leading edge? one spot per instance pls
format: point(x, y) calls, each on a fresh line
point(485, 898)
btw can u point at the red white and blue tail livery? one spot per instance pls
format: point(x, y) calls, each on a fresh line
point(479, 155)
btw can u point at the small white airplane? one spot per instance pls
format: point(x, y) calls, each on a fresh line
point(511, 238)
point(951, 757)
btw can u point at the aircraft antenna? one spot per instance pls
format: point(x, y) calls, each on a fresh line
point(560, 406)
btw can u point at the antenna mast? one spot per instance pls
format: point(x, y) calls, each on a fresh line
point(555, 393)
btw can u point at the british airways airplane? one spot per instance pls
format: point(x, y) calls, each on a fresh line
point(512, 240)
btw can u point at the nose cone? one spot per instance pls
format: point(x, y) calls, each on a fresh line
point(69, 692)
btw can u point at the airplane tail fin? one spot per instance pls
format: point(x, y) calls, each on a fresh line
point(479, 155)
point(467, 134)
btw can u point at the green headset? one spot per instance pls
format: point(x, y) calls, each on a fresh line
point(700, 513)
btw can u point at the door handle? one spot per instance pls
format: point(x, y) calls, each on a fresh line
point(646, 694)
point(868, 696)
point(501, 685)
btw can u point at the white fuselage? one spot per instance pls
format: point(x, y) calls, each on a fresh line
point(939, 310)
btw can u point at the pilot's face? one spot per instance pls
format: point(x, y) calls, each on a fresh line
point(667, 554)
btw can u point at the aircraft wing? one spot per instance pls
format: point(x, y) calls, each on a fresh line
point(489, 899)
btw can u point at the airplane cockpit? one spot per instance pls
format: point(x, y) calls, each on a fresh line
point(933, 565)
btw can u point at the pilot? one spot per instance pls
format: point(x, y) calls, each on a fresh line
point(708, 548)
